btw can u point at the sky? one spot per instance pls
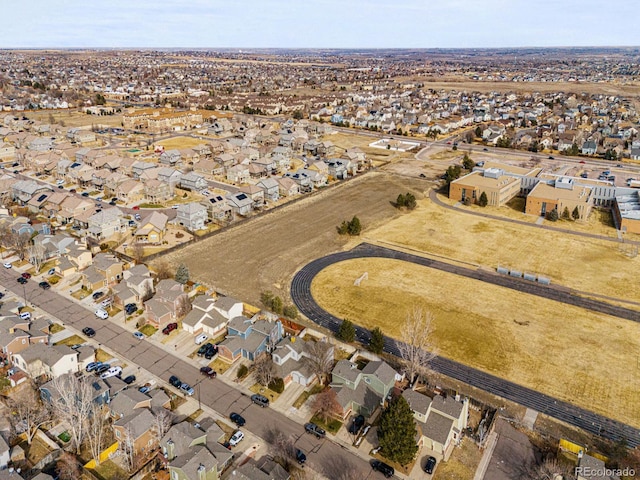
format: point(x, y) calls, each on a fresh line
point(317, 23)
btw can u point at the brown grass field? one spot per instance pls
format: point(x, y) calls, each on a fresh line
point(557, 349)
point(72, 118)
point(263, 253)
point(180, 142)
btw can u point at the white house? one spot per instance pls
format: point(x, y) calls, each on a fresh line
point(44, 360)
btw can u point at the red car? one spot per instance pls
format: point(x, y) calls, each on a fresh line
point(136, 207)
point(169, 328)
point(26, 275)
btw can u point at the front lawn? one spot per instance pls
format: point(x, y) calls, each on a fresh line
point(267, 392)
point(55, 328)
point(148, 330)
point(332, 426)
point(304, 396)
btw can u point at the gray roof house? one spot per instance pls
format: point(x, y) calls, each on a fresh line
point(204, 317)
point(271, 189)
point(193, 181)
point(170, 157)
point(193, 216)
point(240, 203)
point(290, 358)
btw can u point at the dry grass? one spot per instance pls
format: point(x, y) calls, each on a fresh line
point(461, 465)
point(497, 331)
point(73, 340)
point(345, 140)
point(180, 142)
point(583, 264)
point(263, 253)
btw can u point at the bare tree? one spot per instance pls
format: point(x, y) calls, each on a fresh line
point(37, 255)
point(416, 345)
point(282, 447)
point(162, 421)
point(96, 429)
point(326, 404)
point(549, 469)
point(263, 369)
point(28, 413)
point(183, 307)
point(339, 468)
point(320, 359)
point(137, 252)
point(127, 447)
point(163, 270)
point(68, 467)
point(72, 402)
point(147, 292)
point(19, 244)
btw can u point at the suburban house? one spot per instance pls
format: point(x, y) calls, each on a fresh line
point(156, 191)
point(193, 181)
point(170, 157)
point(167, 304)
point(238, 174)
point(103, 225)
point(17, 334)
point(49, 361)
point(152, 229)
point(265, 469)
point(23, 190)
point(136, 428)
point(362, 391)
point(100, 390)
point(205, 318)
point(170, 176)
point(240, 203)
point(289, 356)
point(255, 193)
point(441, 420)
point(218, 210)
point(130, 191)
point(247, 338)
point(193, 216)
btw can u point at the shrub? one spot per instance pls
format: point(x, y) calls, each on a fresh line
point(483, 200)
point(242, 371)
point(277, 385)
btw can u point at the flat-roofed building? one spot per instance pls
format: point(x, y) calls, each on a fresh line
point(561, 194)
point(626, 210)
point(494, 182)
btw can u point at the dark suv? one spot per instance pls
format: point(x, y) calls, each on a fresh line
point(383, 468)
point(356, 425)
point(237, 419)
point(430, 465)
point(315, 430)
point(260, 400)
point(175, 381)
point(130, 308)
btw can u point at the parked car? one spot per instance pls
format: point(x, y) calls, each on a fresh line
point(144, 389)
point(44, 285)
point(315, 430)
point(25, 316)
point(22, 280)
point(1, 294)
point(356, 425)
point(26, 275)
point(88, 331)
point(175, 381)
point(130, 308)
point(51, 271)
point(97, 295)
point(236, 438)
point(138, 335)
point(129, 379)
point(136, 207)
point(85, 194)
point(430, 465)
point(102, 368)
point(300, 456)
point(386, 470)
point(211, 352)
point(112, 372)
point(237, 419)
point(188, 389)
point(92, 366)
point(7, 265)
point(260, 400)
point(169, 328)
point(106, 302)
point(208, 371)
point(201, 338)
point(100, 313)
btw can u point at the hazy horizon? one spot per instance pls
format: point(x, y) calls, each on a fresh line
point(324, 24)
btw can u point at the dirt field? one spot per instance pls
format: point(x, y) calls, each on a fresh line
point(72, 118)
point(180, 142)
point(344, 140)
point(263, 254)
point(583, 264)
point(497, 331)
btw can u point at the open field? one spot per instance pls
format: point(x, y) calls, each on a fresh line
point(525, 339)
point(180, 142)
point(263, 253)
point(73, 118)
point(345, 140)
point(583, 264)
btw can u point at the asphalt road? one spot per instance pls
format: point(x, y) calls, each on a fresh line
point(564, 411)
point(213, 393)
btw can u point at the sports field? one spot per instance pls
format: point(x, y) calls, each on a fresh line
point(567, 352)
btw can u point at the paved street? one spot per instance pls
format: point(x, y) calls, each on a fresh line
point(162, 363)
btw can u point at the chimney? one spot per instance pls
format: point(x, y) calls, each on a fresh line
point(202, 472)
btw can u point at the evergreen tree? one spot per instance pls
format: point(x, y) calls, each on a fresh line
point(277, 305)
point(483, 200)
point(467, 163)
point(355, 227)
point(478, 132)
point(346, 332)
point(565, 214)
point(397, 432)
point(182, 274)
point(400, 201)
point(376, 344)
point(576, 214)
point(410, 201)
point(552, 215)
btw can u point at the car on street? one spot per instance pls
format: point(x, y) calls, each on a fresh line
point(551, 157)
point(112, 372)
point(44, 285)
point(300, 456)
point(315, 430)
point(136, 207)
point(430, 465)
point(138, 335)
point(130, 308)
point(208, 371)
point(175, 381)
point(260, 400)
point(1, 294)
point(169, 328)
point(92, 366)
point(186, 388)
point(102, 368)
point(88, 331)
point(485, 149)
point(100, 313)
point(236, 438)
point(97, 295)
point(7, 265)
point(237, 419)
point(22, 280)
point(26, 275)
point(356, 425)
point(85, 194)
point(129, 379)
point(386, 470)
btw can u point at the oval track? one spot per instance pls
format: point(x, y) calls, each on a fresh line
point(561, 410)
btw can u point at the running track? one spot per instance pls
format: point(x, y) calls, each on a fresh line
point(561, 410)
